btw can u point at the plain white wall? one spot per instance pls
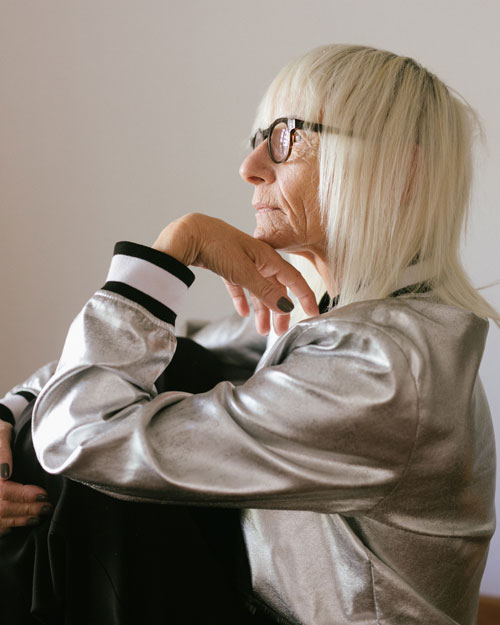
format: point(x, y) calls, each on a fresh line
point(118, 116)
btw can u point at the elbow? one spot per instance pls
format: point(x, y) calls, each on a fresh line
point(56, 439)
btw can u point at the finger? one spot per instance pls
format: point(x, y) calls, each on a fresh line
point(268, 290)
point(262, 316)
point(267, 263)
point(18, 521)
point(291, 278)
point(22, 493)
point(5, 450)
point(281, 323)
point(10, 511)
point(240, 302)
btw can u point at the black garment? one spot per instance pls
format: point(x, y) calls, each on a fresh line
point(100, 560)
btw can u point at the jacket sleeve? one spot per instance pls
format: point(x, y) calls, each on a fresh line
point(326, 423)
point(19, 398)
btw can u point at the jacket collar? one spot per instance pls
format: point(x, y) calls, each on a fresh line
point(412, 281)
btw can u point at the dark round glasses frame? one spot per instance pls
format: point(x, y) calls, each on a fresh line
point(292, 126)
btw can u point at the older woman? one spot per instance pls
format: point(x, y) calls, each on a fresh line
point(360, 446)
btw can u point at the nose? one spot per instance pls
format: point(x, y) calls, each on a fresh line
point(258, 166)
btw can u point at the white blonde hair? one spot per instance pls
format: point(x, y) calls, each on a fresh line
point(395, 177)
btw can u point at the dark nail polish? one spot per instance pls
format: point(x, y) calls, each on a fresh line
point(285, 304)
point(5, 470)
point(41, 498)
point(33, 521)
point(46, 509)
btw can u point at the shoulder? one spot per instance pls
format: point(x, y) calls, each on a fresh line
point(420, 329)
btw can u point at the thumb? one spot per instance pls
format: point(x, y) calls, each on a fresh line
point(5, 450)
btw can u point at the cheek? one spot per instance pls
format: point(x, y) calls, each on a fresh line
point(301, 200)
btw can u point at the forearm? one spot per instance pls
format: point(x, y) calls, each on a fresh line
point(276, 441)
point(115, 350)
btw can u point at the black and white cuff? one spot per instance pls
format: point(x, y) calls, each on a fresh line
point(151, 278)
point(12, 406)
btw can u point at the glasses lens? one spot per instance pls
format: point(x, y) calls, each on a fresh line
point(257, 139)
point(280, 142)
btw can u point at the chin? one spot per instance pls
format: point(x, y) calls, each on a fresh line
point(274, 239)
point(273, 228)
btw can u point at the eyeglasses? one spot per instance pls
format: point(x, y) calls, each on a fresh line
point(281, 135)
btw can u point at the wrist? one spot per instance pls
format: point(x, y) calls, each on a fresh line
point(180, 239)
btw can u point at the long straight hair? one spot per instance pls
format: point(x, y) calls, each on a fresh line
point(395, 170)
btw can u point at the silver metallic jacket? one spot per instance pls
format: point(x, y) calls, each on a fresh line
point(361, 449)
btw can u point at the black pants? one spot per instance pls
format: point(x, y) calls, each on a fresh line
point(99, 560)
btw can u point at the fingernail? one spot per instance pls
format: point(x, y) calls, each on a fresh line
point(285, 304)
point(41, 498)
point(5, 470)
point(46, 509)
point(33, 521)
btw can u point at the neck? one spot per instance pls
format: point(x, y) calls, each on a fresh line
point(414, 274)
point(319, 262)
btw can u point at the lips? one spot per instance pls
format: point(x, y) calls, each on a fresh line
point(262, 208)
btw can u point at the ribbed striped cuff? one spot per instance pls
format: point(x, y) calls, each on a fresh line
point(12, 407)
point(151, 278)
